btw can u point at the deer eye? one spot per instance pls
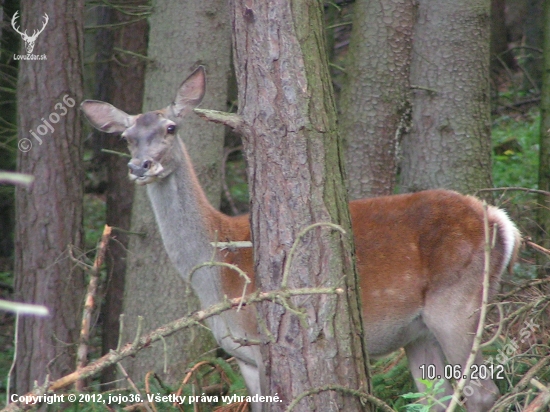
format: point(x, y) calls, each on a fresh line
point(171, 129)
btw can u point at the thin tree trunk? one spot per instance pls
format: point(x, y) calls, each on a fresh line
point(154, 288)
point(375, 101)
point(449, 144)
point(543, 213)
point(119, 80)
point(49, 214)
point(295, 174)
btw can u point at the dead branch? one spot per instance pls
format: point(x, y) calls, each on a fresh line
point(231, 120)
point(89, 304)
point(166, 330)
point(540, 403)
point(513, 189)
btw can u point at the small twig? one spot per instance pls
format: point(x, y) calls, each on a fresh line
point(499, 328)
point(521, 385)
point(413, 86)
point(84, 266)
point(120, 330)
point(89, 304)
point(240, 244)
point(12, 367)
point(481, 323)
point(165, 354)
point(512, 189)
point(538, 248)
point(520, 287)
point(133, 385)
point(237, 269)
point(542, 400)
point(135, 343)
point(116, 153)
point(231, 120)
point(286, 270)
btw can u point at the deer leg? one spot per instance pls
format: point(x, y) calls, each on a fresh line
point(454, 323)
point(251, 377)
point(425, 355)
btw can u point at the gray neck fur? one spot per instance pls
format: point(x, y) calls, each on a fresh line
point(180, 207)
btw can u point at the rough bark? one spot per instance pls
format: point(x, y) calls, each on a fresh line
point(153, 287)
point(49, 214)
point(375, 102)
point(449, 143)
point(543, 213)
point(119, 81)
point(295, 174)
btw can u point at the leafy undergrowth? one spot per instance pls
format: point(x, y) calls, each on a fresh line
point(516, 150)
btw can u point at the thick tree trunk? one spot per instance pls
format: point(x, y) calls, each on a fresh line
point(449, 144)
point(154, 288)
point(49, 214)
point(295, 175)
point(120, 80)
point(375, 102)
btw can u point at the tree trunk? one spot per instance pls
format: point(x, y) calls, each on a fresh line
point(154, 289)
point(543, 212)
point(375, 101)
point(8, 145)
point(449, 144)
point(49, 214)
point(499, 38)
point(119, 80)
point(533, 29)
point(295, 174)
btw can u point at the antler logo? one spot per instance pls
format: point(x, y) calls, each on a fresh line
point(29, 40)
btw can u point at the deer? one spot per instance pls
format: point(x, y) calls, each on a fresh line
point(420, 256)
point(29, 40)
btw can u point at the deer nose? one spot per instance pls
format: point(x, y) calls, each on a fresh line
point(140, 171)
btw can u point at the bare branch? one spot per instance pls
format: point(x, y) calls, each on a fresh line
point(232, 120)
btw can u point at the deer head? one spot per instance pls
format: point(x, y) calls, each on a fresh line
point(29, 40)
point(152, 137)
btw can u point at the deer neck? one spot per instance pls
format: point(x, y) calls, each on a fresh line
point(184, 217)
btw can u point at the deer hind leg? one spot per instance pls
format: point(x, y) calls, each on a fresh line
point(251, 375)
point(426, 356)
point(453, 322)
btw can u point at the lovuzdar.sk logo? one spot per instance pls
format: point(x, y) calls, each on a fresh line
point(29, 40)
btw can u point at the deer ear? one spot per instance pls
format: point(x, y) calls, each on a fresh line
point(190, 93)
point(106, 117)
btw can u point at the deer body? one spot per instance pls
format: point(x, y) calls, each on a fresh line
point(420, 256)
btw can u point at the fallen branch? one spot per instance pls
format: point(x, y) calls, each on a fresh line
point(89, 304)
point(131, 349)
point(541, 401)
